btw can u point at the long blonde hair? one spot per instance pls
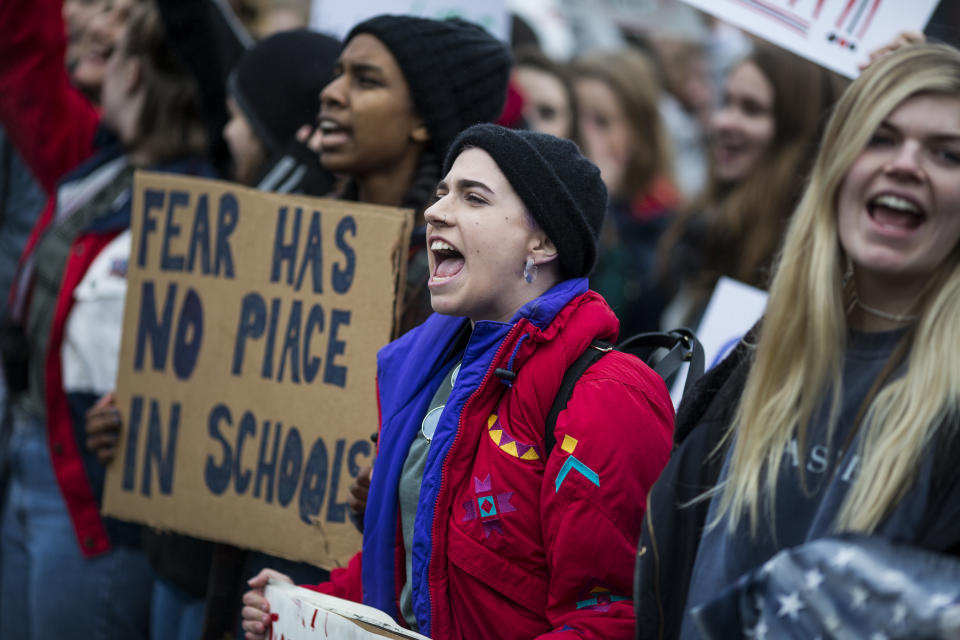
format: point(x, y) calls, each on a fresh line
point(797, 361)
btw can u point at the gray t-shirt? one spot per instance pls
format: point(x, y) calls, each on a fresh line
point(409, 489)
point(805, 508)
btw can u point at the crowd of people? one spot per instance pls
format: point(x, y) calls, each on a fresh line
point(804, 487)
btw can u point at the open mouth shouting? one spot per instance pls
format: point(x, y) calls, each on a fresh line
point(895, 214)
point(447, 262)
point(333, 134)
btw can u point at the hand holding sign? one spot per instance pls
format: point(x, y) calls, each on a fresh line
point(904, 39)
point(103, 425)
point(359, 490)
point(256, 609)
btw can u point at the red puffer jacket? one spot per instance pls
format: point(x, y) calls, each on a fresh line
point(511, 541)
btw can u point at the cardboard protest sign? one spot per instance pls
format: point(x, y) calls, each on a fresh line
point(302, 614)
point(247, 364)
point(337, 18)
point(837, 34)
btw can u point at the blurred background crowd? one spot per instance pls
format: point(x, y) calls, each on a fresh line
point(703, 135)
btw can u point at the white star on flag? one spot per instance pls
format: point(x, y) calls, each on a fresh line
point(790, 606)
point(812, 579)
point(879, 635)
point(892, 578)
point(759, 632)
point(832, 622)
point(899, 614)
point(940, 600)
point(859, 595)
point(843, 558)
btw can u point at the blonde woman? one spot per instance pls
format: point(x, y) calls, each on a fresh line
point(839, 413)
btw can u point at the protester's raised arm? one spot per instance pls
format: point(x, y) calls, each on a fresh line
point(49, 120)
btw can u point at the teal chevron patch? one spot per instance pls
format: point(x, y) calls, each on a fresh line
point(572, 464)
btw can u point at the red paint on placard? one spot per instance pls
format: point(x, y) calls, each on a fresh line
point(273, 618)
point(866, 23)
point(846, 12)
point(313, 621)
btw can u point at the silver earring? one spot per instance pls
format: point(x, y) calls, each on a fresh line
point(529, 270)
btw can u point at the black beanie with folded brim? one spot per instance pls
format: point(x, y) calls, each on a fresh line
point(560, 188)
point(457, 73)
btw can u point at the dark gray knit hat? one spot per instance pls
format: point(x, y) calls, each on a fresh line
point(456, 71)
point(277, 83)
point(561, 188)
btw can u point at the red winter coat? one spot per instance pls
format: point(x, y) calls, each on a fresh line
point(515, 542)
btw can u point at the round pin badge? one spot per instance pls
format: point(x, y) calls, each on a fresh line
point(429, 425)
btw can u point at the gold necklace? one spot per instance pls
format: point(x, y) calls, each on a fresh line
point(886, 315)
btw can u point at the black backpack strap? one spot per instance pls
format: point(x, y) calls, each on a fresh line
point(590, 355)
point(681, 345)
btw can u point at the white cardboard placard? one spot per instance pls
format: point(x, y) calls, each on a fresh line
point(302, 614)
point(837, 34)
point(734, 307)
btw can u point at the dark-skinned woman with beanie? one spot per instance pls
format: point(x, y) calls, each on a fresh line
point(404, 87)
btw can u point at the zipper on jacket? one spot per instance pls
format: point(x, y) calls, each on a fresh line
point(456, 439)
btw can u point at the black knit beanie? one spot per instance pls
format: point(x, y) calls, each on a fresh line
point(277, 83)
point(456, 71)
point(561, 188)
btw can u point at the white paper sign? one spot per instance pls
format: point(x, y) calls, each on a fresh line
point(337, 17)
point(837, 34)
point(301, 614)
point(734, 307)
